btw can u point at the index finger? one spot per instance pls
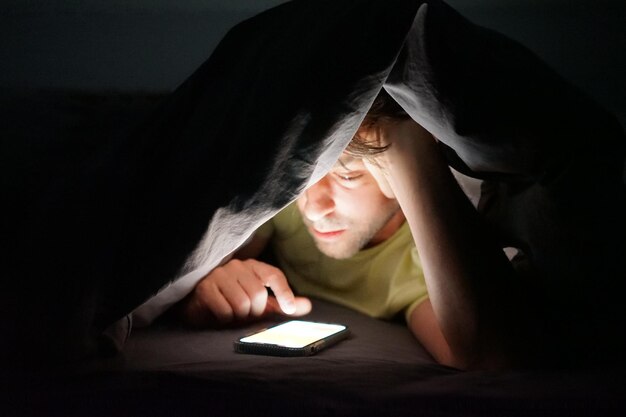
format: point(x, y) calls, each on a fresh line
point(274, 279)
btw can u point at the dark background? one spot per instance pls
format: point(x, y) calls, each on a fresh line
point(153, 45)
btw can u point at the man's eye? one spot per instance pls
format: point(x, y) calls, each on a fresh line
point(349, 178)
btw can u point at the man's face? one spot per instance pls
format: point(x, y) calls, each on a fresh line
point(346, 211)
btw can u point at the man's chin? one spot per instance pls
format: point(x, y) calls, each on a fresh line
point(336, 251)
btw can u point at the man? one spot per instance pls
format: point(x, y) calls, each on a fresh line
point(479, 312)
point(345, 239)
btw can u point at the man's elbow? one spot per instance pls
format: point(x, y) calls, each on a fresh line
point(471, 360)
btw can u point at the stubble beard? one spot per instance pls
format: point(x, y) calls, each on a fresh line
point(355, 238)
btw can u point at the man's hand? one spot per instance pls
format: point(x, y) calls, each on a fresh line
point(237, 292)
point(407, 140)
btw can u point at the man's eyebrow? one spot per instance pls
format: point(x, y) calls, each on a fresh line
point(344, 161)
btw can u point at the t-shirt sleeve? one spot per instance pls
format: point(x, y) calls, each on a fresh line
point(413, 305)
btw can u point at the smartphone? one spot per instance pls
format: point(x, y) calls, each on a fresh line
point(292, 338)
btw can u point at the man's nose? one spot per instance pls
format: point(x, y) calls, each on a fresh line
point(318, 200)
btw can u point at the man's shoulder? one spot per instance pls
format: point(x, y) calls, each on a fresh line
point(287, 221)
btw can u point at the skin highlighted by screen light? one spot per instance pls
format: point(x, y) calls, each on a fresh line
point(292, 338)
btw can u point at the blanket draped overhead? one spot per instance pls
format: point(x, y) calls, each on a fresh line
point(267, 115)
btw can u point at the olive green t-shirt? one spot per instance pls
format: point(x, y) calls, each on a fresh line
point(380, 281)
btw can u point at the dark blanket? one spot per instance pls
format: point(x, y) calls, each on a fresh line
point(94, 231)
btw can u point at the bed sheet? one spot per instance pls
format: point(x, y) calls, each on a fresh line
point(381, 370)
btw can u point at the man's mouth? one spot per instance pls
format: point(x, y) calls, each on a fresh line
point(327, 235)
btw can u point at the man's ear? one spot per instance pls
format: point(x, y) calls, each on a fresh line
point(381, 178)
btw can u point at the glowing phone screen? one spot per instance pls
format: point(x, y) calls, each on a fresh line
point(294, 334)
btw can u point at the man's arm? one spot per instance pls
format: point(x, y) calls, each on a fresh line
point(424, 325)
point(470, 281)
point(236, 292)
